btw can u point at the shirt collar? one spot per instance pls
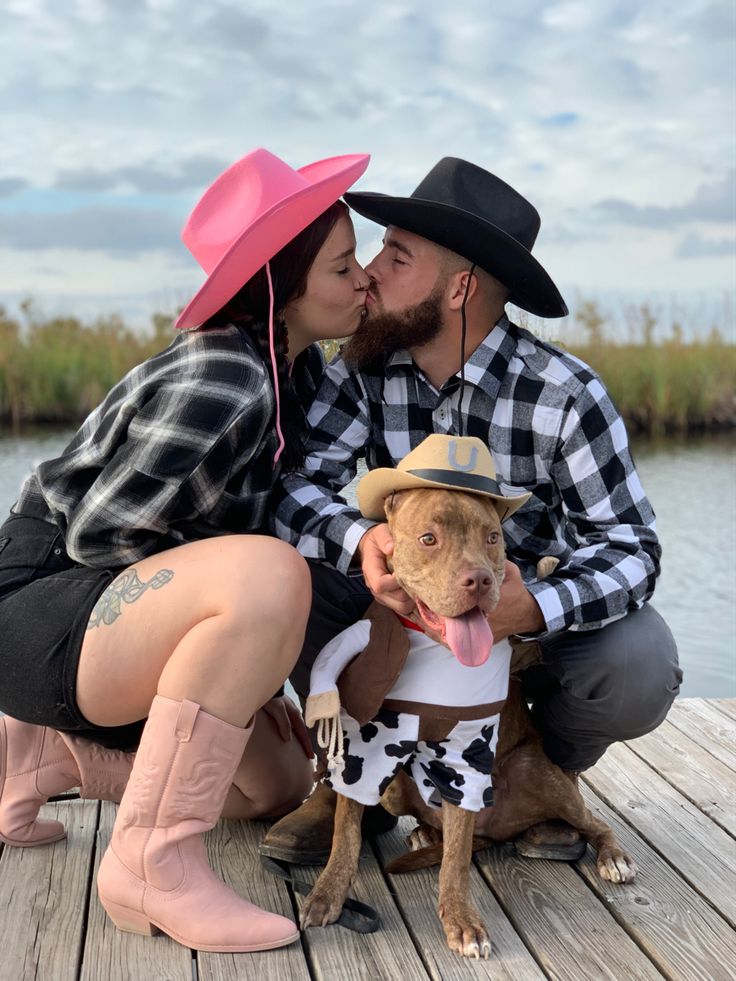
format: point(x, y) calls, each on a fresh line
point(485, 368)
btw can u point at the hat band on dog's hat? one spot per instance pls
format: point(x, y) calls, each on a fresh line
point(440, 462)
point(468, 481)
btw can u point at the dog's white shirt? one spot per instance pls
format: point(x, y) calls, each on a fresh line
point(362, 760)
point(431, 676)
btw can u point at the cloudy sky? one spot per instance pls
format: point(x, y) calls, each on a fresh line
point(615, 117)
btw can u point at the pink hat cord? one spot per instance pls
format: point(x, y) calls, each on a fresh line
point(274, 366)
point(244, 218)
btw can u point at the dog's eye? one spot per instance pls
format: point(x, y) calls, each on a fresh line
point(492, 538)
point(428, 539)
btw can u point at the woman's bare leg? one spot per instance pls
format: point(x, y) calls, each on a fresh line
point(196, 639)
point(219, 622)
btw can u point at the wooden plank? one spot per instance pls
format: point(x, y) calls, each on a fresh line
point(389, 953)
point(564, 924)
point(546, 919)
point(702, 852)
point(43, 898)
point(116, 956)
point(233, 851)
point(416, 896)
point(681, 933)
point(705, 724)
point(725, 705)
point(700, 777)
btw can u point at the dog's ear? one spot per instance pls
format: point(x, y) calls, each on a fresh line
point(392, 502)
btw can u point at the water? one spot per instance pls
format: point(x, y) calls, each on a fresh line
point(692, 485)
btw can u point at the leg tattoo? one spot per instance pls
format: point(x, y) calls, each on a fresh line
point(127, 588)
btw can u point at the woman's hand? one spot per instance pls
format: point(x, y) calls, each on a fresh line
point(289, 722)
point(373, 550)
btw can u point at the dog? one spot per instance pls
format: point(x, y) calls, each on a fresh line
point(528, 790)
point(449, 557)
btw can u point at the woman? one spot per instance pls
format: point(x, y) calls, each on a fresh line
point(128, 594)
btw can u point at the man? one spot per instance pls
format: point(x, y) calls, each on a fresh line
point(437, 353)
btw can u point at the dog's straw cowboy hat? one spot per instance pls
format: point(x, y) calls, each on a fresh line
point(440, 462)
point(249, 213)
point(477, 215)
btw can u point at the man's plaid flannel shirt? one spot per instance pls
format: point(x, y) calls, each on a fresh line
point(552, 430)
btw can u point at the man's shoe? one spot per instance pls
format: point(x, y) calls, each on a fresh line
point(553, 840)
point(304, 837)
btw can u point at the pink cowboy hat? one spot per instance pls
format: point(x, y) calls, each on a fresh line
point(250, 212)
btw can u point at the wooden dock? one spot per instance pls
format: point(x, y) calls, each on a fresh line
point(670, 797)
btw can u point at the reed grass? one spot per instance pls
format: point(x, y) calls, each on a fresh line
point(56, 370)
point(666, 386)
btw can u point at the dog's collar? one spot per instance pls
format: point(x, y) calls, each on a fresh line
point(410, 623)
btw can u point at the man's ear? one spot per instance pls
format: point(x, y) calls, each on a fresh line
point(456, 286)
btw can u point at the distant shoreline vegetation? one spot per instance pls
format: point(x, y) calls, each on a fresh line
point(57, 370)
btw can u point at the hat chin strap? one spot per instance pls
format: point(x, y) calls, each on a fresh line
point(274, 367)
point(462, 353)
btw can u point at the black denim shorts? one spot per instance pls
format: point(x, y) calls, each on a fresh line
point(45, 603)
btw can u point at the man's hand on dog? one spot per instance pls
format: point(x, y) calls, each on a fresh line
point(517, 611)
point(373, 550)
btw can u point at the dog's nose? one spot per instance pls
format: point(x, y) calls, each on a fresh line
point(476, 581)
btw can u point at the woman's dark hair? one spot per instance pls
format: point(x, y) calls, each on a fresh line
point(248, 309)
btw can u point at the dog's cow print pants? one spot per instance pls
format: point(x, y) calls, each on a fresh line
point(456, 769)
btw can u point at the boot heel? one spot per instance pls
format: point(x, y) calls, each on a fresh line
point(130, 921)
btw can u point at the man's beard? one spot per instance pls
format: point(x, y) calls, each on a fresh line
point(379, 336)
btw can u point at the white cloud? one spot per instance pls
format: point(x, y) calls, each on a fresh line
point(694, 246)
point(712, 202)
point(97, 229)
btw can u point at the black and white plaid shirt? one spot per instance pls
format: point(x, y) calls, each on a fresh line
point(552, 430)
point(181, 449)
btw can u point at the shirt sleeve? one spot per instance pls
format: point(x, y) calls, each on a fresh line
point(308, 509)
point(171, 469)
point(616, 558)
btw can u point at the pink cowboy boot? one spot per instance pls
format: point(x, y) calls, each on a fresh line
point(155, 874)
point(37, 762)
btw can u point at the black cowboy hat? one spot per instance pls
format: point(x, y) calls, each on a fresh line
point(477, 215)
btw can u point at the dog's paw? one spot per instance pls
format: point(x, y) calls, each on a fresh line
point(616, 865)
point(422, 837)
point(546, 566)
point(321, 907)
point(466, 934)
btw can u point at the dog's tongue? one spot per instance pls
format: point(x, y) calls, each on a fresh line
point(469, 637)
